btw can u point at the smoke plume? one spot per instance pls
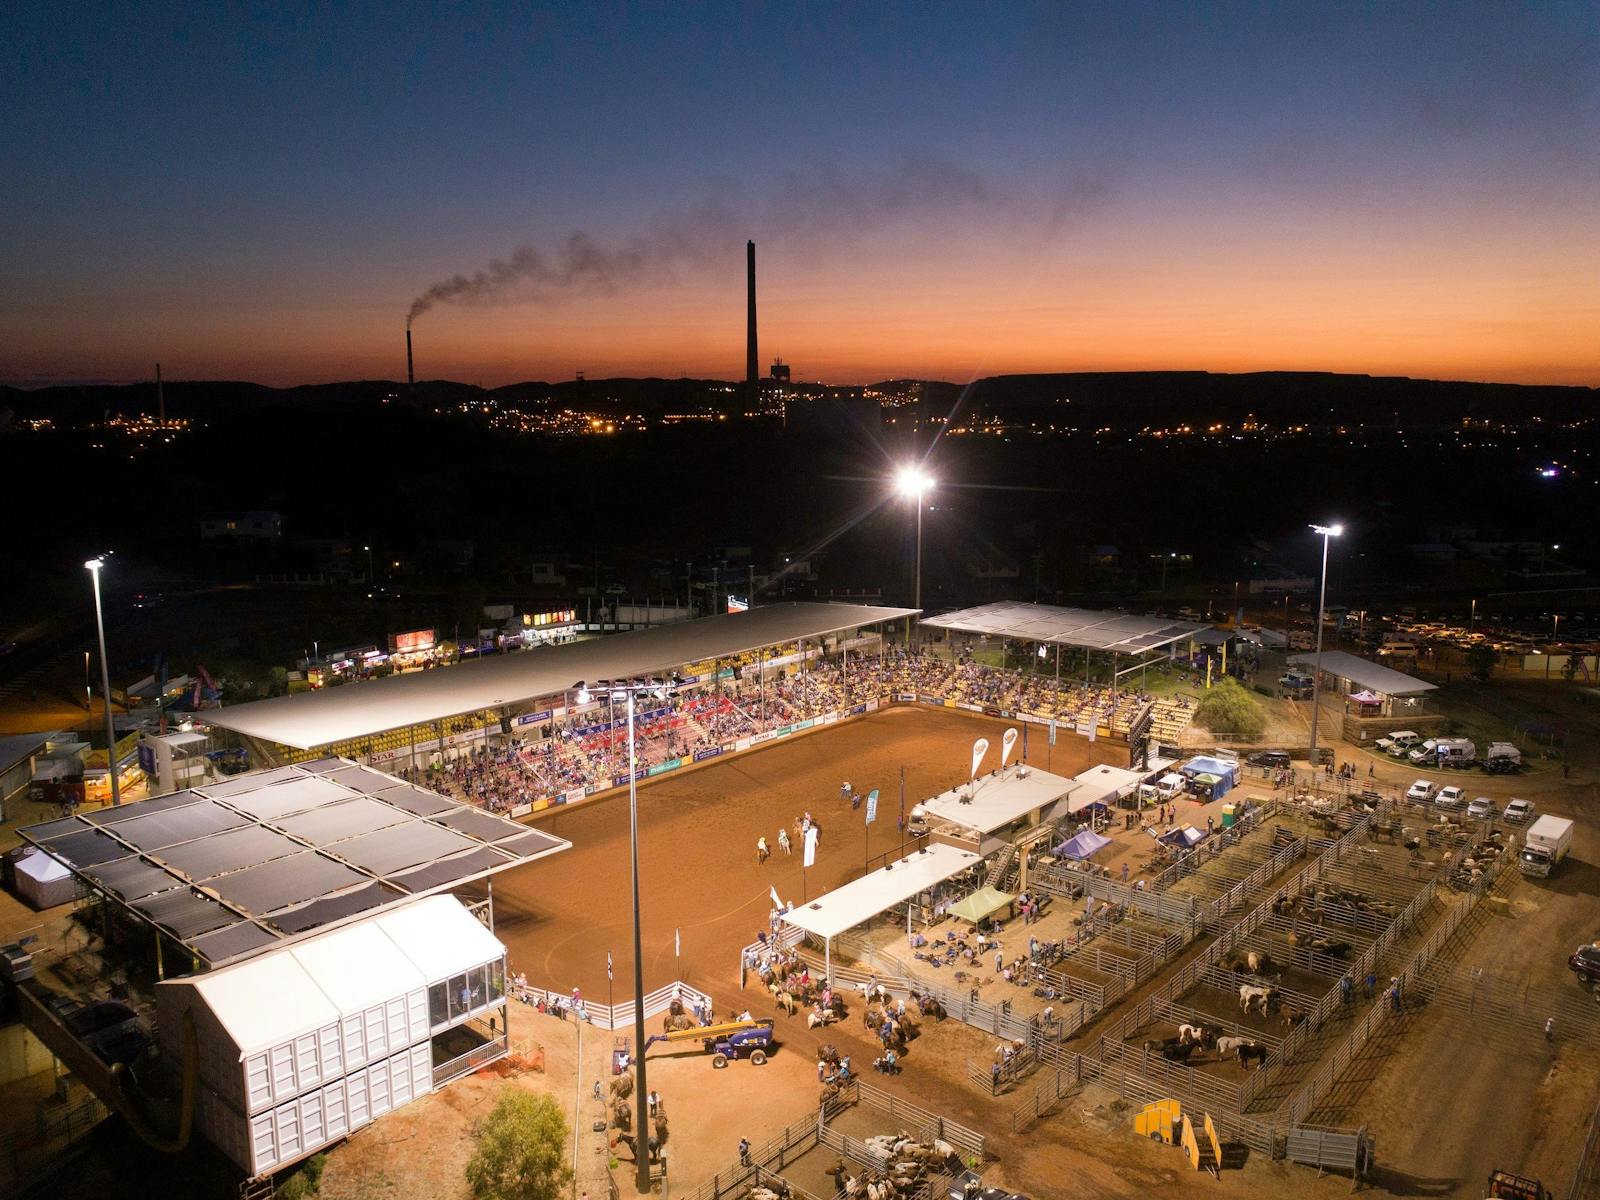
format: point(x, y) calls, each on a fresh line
point(825, 203)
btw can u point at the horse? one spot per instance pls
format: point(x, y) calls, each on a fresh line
point(1191, 1034)
point(1230, 1045)
point(1250, 996)
point(819, 1017)
point(1252, 1051)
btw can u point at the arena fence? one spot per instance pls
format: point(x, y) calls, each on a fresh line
point(771, 1157)
point(620, 1016)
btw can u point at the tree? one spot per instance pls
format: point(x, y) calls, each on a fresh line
point(1228, 708)
point(521, 1152)
point(1480, 661)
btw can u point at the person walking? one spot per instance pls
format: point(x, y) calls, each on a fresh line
point(1370, 983)
point(744, 1152)
point(1345, 990)
point(1549, 1029)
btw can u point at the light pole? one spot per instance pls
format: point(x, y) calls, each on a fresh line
point(913, 483)
point(94, 566)
point(627, 690)
point(368, 549)
point(1328, 532)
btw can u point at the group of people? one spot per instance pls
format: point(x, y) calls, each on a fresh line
point(565, 754)
point(802, 826)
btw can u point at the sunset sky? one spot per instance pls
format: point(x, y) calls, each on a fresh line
point(262, 192)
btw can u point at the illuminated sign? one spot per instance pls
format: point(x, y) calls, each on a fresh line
point(738, 604)
point(411, 643)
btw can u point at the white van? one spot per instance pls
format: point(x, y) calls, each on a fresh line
point(1456, 752)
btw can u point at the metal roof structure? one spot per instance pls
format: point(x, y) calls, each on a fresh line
point(308, 720)
point(230, 869)
point(1363, 673)
point(862, 899)
point(997, 799)
point(1123, 633)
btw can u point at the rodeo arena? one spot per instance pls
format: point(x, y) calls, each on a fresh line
point(849, 836)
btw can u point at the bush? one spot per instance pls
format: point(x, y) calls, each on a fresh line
point(521, 1152)
point(306, 1180)
point(1228, 708)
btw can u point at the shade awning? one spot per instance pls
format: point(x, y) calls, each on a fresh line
point(984, 902)
point(860, 900)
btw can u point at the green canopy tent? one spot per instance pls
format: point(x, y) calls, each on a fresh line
point(984, 902)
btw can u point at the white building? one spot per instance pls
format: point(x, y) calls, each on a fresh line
point(303, 1045)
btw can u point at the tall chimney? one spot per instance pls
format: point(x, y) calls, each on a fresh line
point(411, 375)
point(752, 362)
point(161, 398)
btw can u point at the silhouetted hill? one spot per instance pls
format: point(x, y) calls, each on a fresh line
point(1147, 397)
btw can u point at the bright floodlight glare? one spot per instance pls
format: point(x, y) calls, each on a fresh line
point(1329, 530)
point(94, 564)
point(910, 481)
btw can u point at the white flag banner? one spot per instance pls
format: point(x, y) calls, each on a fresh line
point(677, 943)
point(608, 964)
point(1008, 743)
point(979, 749)
point(811, 847)
point(773, 892)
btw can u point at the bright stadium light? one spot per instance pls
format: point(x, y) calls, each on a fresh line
point(94, 566)
point(912, 482)
point(1328, 532)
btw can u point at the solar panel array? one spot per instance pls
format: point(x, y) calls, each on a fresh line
point(230, 868)
point(1124, 633)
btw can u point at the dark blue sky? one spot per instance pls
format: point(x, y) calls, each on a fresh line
point(261, 191)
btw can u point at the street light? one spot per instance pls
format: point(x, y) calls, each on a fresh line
point(913, 483)
point(621, 689)
point(1328, 533)
point(93, 566)
point(368, 549)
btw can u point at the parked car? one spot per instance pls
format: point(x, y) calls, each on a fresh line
point(1422, 791)
point(1451, 797)
point(1517, 812)
point(1273, 759)
point(1481, 809)
point(1585, 963)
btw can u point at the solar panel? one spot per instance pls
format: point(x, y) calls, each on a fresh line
point(298, 846)
point(289, 796)
point(176, 825)
point(401, 846)
point(231, 941)
point(132, 878)
point(230, 851)
point(346, 819)
point(284, 881)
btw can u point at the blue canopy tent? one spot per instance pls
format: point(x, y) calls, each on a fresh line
point(1184, 837)
point(1082, 845)
point(1226, 773)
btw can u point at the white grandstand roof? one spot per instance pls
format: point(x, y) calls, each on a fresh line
point(311, 719)
point(844, 908)
point(1124, 633)
point(998, 799)
point(1363, 673)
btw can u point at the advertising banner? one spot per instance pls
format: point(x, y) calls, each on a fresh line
point(702, 755)
point(872, 806)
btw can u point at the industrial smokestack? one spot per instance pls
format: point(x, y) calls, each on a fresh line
point(411, 375)
point(161, 398)
point(752, 361)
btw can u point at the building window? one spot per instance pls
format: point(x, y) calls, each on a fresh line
point(438, 1005)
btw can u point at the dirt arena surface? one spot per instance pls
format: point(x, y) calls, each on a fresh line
point(697, 856)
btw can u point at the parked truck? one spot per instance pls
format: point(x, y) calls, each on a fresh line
point(1547, 841)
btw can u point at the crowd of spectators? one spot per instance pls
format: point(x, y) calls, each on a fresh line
point(570, 753)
